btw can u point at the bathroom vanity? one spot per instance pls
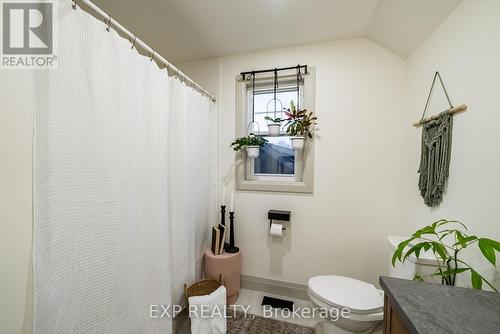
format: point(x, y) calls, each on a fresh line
point(426, 308)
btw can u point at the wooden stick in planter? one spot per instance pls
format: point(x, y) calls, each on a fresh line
point(453, 110)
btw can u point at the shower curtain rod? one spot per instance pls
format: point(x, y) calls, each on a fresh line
point(137, 42)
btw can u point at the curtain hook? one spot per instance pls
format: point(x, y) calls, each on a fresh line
point(109, 24)
point(133, 41)
point(152, 55)
point(169, 69)
point(74, 4)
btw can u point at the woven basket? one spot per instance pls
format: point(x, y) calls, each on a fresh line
point(203, 288)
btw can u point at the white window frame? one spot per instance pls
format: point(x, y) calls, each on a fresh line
point(303, 179)
point(249, 171)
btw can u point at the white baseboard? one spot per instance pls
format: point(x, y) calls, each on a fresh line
point(285, 289)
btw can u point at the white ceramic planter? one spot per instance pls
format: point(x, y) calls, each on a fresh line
point(297, 143)
point(253, 151)
point(274, 129)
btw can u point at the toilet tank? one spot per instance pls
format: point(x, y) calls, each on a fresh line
point(424, 266)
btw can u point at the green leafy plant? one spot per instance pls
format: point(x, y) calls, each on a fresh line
point(250, 140)
point(299, 122)
point(276, 120)
point(446, 243)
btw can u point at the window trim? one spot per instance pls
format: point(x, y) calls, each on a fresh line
point(275, 183)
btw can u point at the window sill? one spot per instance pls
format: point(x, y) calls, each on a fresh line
point(275, 186)
point(284, 184)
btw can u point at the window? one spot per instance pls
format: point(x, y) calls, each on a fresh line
point(276, 157)
point(278, 167)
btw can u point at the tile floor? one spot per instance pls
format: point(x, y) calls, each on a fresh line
point(253, 299)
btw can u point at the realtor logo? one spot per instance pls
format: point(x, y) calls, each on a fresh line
point(28, 34)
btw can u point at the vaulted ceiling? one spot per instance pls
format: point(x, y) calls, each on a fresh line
point(186, 30)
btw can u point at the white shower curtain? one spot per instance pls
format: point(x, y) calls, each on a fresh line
point(118, 168)
point(191, 183)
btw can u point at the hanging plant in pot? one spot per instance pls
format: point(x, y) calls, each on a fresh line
point(274, 126)
point(251, 143)
point(300, 124)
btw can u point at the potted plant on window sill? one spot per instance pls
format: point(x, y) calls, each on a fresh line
point(300, 124)
point(251, 143)
point(275, 126)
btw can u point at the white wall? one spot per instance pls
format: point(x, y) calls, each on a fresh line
point(16, 278)
point(466, 51)
point(342, 227)
point(361, 90)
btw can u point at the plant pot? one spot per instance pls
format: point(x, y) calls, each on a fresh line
point(253, 151)
point(297, 143)
point(274, 129)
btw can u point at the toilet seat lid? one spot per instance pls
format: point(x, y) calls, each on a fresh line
point(345, 292)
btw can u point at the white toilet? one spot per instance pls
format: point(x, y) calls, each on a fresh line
point(424, 266)
point(365, 301)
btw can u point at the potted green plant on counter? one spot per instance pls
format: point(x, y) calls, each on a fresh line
point(251, 143)
point(446, 243)
point(274, 126)
point(300, 124)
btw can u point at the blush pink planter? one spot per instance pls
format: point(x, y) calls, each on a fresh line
point(229, 265)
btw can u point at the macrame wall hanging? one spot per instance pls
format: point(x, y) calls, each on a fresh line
point(436, 149)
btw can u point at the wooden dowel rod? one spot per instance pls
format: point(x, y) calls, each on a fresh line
point(453, 110)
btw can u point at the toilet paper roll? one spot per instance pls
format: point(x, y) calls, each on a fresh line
point(276, 230)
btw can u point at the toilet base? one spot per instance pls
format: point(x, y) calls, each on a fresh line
point(355, 323)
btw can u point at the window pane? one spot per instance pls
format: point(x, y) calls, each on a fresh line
point(276, 157)
point(265, 106)
point(259, 118)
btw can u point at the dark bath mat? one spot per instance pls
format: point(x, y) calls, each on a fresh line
point(254, 324)
point(278, 303)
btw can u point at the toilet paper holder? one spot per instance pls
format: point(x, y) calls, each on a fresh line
point(278, 215)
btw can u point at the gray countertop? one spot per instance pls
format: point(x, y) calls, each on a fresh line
point(428, 308)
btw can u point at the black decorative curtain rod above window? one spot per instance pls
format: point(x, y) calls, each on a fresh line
point(298, 67)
